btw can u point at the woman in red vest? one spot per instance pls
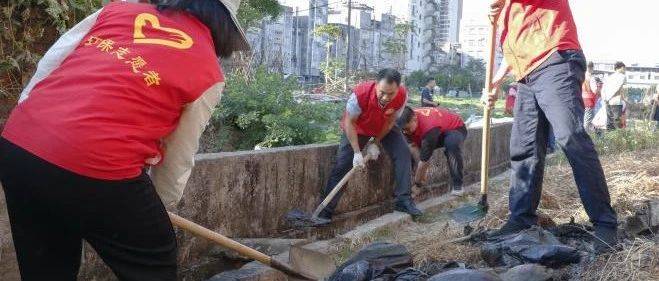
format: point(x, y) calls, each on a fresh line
point(371, 112)
point(129, 88)
point(430, 128)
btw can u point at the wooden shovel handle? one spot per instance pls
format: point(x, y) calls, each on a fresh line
point(220, 239)
point(485, 151)
point(336, 189)
point(229, 243)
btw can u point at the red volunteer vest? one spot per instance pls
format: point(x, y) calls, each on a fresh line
point(373, 117)
point(533, 30)
point(589, 98)
point(429, 118)
point(510, 103)
point(103, 111)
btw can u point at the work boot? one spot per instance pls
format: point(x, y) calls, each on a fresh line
point(407, 206)
point(606, 239)
point(325, 214)
point(510, 227)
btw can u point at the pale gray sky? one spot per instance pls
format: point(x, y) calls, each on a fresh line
point(608, 29)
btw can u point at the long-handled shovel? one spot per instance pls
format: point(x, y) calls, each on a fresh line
point(240, 248)
point(471, 212)
point(299, 218)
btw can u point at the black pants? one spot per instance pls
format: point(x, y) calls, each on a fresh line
point(550, 98)
point(51, 211)
point(613, 117)
point(452, 143)
point(395, 145)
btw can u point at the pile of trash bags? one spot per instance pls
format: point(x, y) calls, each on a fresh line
point(532, 254)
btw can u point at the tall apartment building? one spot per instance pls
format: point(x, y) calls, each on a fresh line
point(272, 42)
point(436, 25)
point(474, 35)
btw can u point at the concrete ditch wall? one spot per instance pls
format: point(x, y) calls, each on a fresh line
point(246, 195)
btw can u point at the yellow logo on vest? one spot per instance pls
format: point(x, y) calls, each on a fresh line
point(178, 40)
point(424, 111)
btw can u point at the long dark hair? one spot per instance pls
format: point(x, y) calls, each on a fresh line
point(215, 16)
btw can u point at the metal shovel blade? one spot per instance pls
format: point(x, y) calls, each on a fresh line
point(313, 262)
point(468, 213)
point(299, 219)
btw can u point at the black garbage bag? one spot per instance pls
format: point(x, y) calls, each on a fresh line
point(434, 267)
point(358, 271)
point(575, 235)
point(533, 245)
point(411, 274)
point(528, 272)
point(462, 274)
point(376, 261)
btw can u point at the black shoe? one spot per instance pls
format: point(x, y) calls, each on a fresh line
point(325, 214)
point(408, 206)
point(508, 228)
point(606, 239)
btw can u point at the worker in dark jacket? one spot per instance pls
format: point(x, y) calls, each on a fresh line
point(541, 49)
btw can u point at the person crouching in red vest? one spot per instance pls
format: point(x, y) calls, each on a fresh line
point(430, 128)
point(371, 111)
point(127, 90)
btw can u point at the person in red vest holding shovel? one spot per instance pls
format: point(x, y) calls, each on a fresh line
point(541, 49)
point(371, 111)
point(129, 88)
point(430, 128)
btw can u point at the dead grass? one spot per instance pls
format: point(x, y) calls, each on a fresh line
point(632, 177)
point(638, 261)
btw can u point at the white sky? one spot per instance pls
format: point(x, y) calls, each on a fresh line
point(609, 30)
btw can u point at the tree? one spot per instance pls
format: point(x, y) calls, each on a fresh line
point(330, 30)
point(27, 29)
point(332, 68)
point(469, 78)
point(416, 79)
point(251, 12)
point(476, 67)
point(397, 45)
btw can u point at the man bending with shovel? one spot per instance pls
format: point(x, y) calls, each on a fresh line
point(430, 128)
point(371, 111)
point(541, 49)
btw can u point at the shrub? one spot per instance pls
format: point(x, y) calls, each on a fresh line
point(263, 110)
point(27, 29)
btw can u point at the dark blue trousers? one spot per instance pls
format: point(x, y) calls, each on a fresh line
point(551, 95)
point(396, 147)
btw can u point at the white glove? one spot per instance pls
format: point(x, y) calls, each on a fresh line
point(489, 98)
point(358, 160)
point(373, 151)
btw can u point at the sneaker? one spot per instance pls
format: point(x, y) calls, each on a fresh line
point(457, 191)
point(407, 206)
point(606, 239)
point(508, 228)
